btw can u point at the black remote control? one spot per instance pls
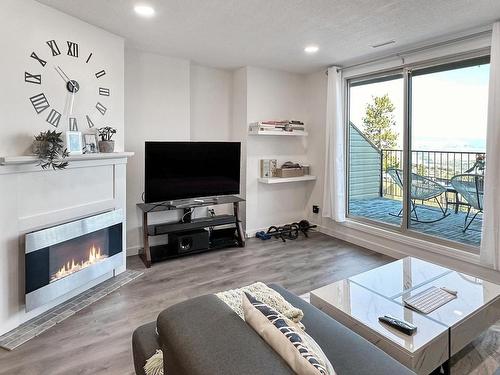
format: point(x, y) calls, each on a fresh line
point(402, 326)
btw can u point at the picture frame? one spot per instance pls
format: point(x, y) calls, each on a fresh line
point(268, 168)
point(74, 143)
point(91, 143)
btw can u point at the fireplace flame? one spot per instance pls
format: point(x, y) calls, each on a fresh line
point(95, 256)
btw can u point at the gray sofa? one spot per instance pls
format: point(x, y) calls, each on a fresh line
point(203, 336)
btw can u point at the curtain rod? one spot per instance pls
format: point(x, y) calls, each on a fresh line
point(419, 49)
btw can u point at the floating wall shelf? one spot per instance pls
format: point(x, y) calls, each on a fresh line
point(296, 133)
point(281, 180)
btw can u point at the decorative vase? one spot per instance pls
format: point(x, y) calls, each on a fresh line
point(40, 147)
point(106, 146)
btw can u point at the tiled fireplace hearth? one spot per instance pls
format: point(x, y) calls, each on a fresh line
point(66, 257)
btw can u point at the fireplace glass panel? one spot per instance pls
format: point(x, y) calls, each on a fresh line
point(74, 255)
point(58, 261)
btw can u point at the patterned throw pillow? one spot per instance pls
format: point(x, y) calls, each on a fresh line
point(284, 338)
point(262, 292)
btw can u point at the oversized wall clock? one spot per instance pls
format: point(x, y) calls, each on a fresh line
point(68, 85)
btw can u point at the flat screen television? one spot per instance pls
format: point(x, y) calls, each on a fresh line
point(182, 170)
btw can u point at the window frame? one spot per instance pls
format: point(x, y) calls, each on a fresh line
point(407, 72)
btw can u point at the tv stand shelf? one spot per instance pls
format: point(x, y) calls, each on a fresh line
point(216, 241)
point(188, 203)
point(199, 223)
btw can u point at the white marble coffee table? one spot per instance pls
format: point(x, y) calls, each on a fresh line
point(358, 301)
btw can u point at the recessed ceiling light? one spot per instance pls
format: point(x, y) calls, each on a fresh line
point(311, 49)
point(144, 10)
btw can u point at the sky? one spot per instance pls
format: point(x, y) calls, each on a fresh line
point(449, 108)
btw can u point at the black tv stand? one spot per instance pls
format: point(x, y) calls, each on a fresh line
point(195, 203)
point(220, 238)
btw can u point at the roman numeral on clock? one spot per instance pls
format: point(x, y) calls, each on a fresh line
point(34, 56)
point(54, 117)
point(33, 78)
point(88, 59)
point(72, 49)
point(54, 48)
point(39, 102)
point(89, 122)
point(101, 108)
point(100, 74)
point(103, 91)
point(73, 126)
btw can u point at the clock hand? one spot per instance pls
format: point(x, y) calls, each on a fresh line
point(72, 102)
point(66, 79)
point(60, 74)
point(65, 75)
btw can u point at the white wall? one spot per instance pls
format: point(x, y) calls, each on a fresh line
point(169, 99)
point(211, 112)
point(26, 26)
point(157, 105)
point(30, 198)
point(211, 103)
point(239, 132)
point(273, 94)
point(173, 99)
point(315, 93)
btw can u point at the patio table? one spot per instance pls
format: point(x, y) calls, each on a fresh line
point(457, 202)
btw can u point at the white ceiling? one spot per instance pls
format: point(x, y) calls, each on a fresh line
point(273, 33)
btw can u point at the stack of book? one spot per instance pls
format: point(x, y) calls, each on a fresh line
point(297, 125)
point(276, 126)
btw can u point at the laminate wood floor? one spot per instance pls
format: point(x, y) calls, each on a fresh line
point(97, 340)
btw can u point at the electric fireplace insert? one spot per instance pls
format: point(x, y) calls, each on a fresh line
point(69, 256)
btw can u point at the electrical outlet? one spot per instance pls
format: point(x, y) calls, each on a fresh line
point(315, 209)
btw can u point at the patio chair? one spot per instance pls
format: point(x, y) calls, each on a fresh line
point(471, 188)
point(422, 189)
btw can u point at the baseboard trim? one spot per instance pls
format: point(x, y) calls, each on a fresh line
point(370, 245)
point(133, 250)
point(252, 232)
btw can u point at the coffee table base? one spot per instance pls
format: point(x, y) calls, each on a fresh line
point(423, 362)
point(360, 300)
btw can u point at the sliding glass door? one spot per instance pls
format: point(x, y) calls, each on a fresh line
point(375, 140)
point(416, 142)
point(448, 142)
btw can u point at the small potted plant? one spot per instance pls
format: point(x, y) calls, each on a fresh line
point(106, 144)
point(49, 148)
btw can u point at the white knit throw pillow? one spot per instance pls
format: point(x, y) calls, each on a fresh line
point(263, 293)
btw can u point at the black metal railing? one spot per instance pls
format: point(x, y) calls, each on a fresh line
point(439, 166)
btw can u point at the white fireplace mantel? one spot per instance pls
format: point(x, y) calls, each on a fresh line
point(30, 159)
point(32, 199)
point(29, 163)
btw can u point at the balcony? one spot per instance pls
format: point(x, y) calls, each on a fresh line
point(375, 192)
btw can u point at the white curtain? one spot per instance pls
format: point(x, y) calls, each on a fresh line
point(490, 243)
point(334, 194)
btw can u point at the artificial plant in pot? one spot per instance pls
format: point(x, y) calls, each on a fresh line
point(49, 148)
point(106, 144)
